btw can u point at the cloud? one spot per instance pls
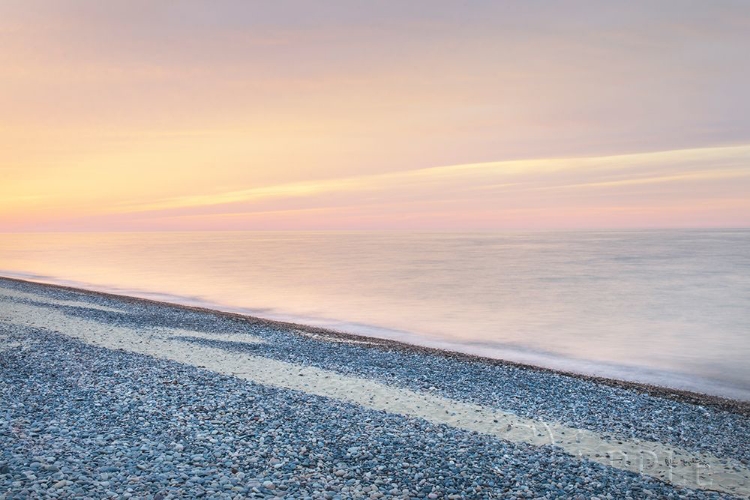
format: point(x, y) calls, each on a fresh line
point(184, 109)
point(591, 182)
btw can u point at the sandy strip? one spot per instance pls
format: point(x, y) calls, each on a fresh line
point(173, 333)
point(659, 460)
point(335, 340)
point(182, 334)
point(69, 303)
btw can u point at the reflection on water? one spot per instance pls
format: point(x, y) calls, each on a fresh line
point(671, 307)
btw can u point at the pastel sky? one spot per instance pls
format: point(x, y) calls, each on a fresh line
point(434, 115)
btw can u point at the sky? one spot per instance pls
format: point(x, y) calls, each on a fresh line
point(357, 115)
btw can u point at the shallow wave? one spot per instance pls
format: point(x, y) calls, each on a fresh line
point(495, 350)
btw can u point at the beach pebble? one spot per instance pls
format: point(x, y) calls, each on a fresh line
point(78, 420)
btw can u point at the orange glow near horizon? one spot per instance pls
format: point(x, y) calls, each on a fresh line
point(130, 116)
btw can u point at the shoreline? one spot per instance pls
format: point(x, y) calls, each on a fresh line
point(740, 407)
point(91, 375)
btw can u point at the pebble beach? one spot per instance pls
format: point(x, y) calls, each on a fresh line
point(112, 397)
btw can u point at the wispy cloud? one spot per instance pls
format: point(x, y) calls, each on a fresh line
point(122, 113)
point(606, 173)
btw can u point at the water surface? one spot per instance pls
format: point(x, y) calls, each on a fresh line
point(666, 307)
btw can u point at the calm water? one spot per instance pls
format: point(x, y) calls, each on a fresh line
point(668, 307)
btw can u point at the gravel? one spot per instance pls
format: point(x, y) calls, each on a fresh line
point(80, 421)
